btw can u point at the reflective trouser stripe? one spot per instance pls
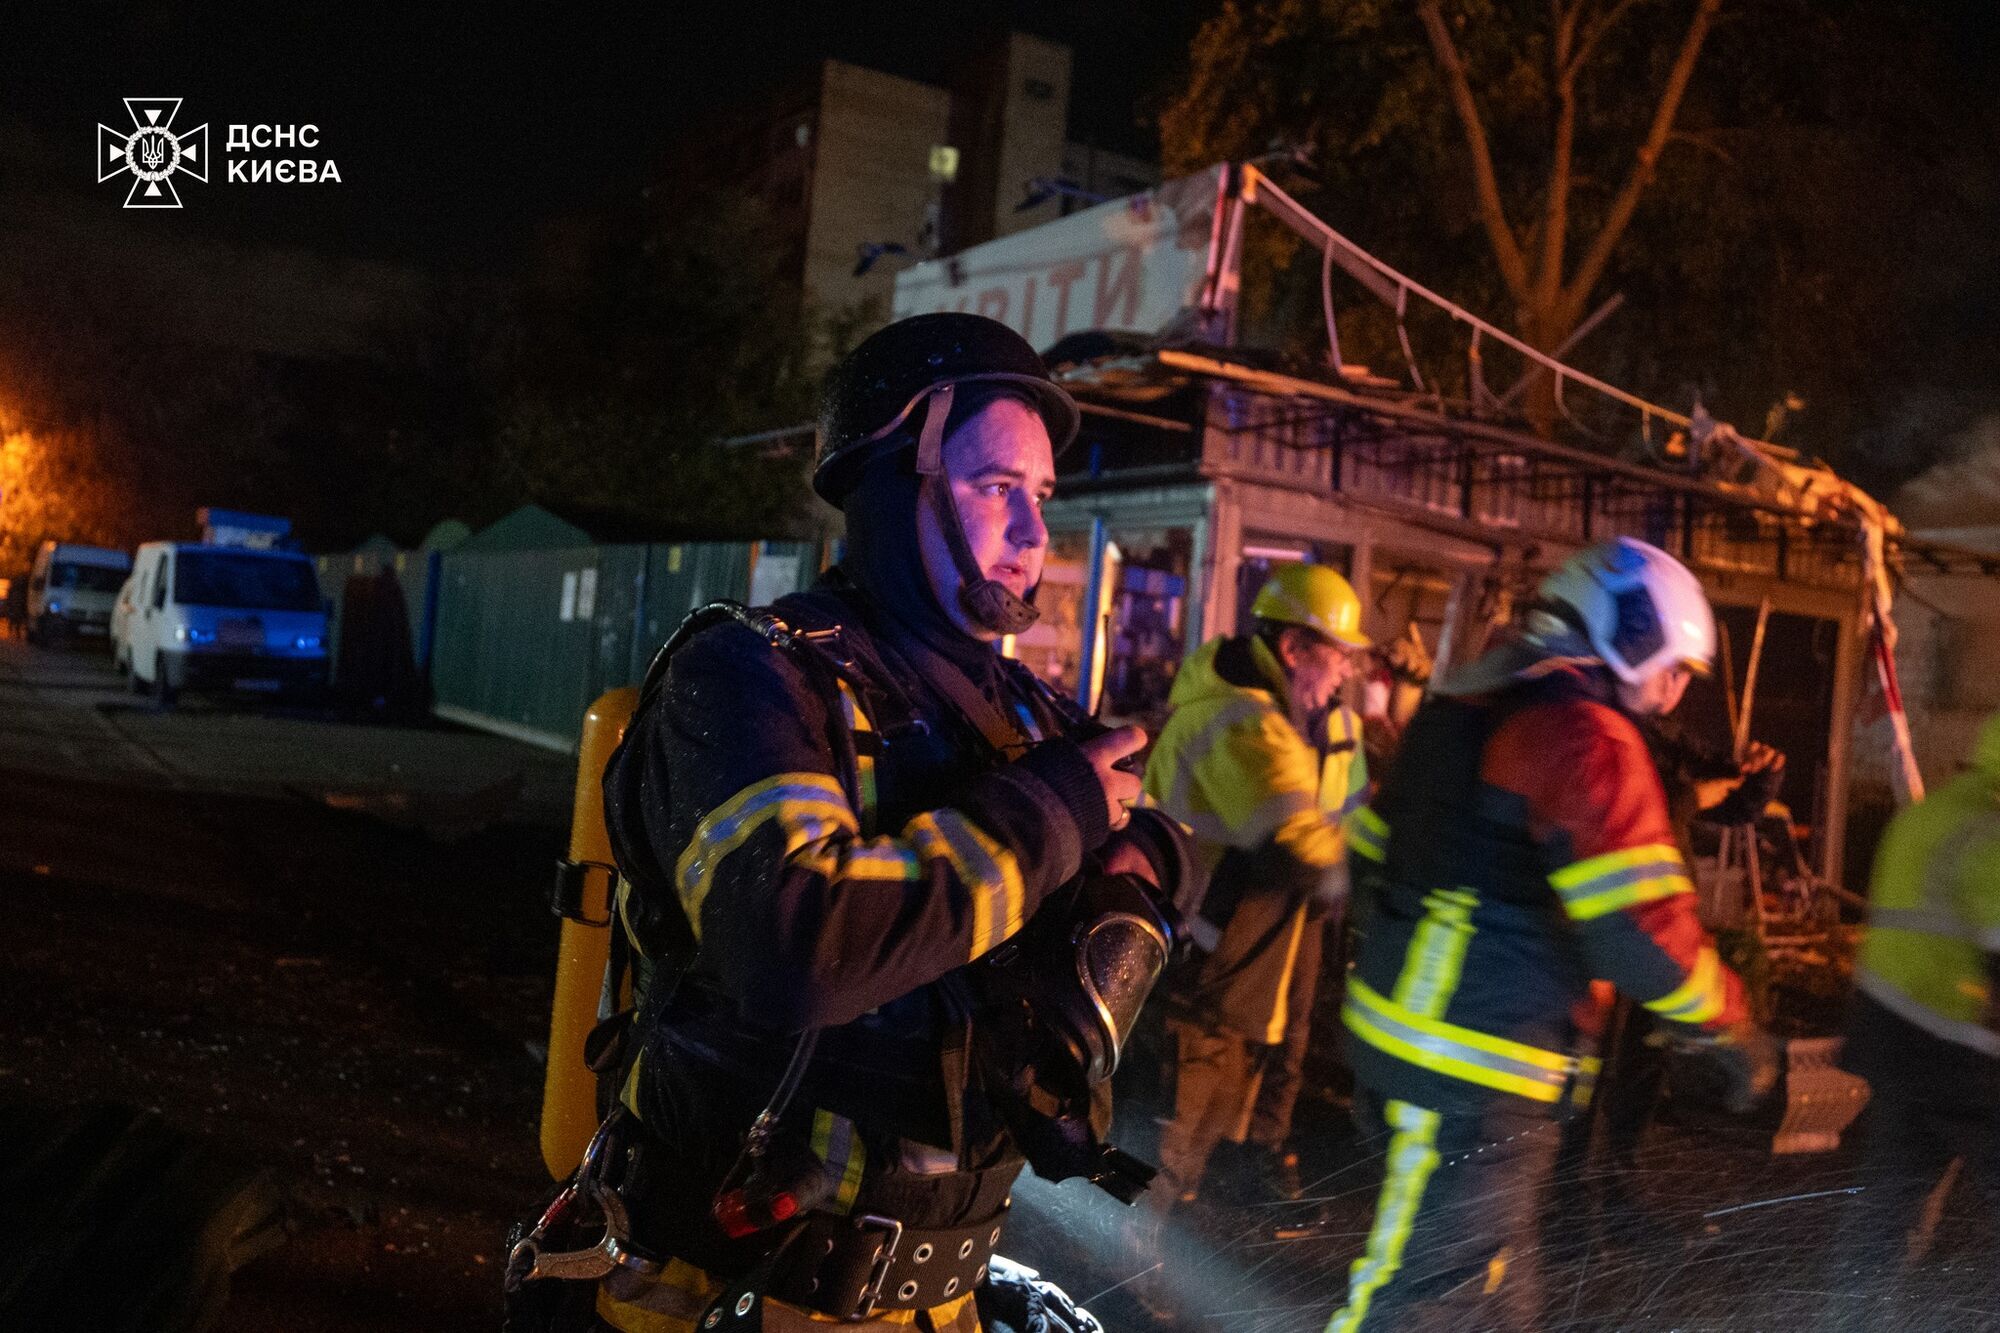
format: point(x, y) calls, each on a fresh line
point(1413, 1156)
point(1458, 1052)
point(1274, 1031)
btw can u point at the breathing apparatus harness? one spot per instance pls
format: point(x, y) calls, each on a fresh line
point(1058, 1002)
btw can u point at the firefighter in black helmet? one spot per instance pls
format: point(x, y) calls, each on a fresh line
point(866, 860)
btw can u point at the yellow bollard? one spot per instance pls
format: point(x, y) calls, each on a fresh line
point(569, 1093)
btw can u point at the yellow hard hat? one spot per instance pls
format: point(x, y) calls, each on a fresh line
point(1315, 597)
point(1986, 750)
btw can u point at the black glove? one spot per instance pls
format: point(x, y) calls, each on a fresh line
point(1169, 853)
point(1745, 1056)
point(1015, 1299)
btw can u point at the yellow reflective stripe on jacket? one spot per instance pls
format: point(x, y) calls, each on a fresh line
point(1367, 834)
point(810, 810)
point(1699, 998)
point(807, 807)
point(1436, 957)
point(864, 762)
point(1311, 838)
point(990, 872)
point(1458, 1052)
point(1600, 885)
point(1412, 1157)
point(836, 1144)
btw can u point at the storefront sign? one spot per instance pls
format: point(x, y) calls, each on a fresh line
point(1131, 264)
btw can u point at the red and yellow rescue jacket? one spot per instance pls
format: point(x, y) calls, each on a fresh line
point(1520, 849)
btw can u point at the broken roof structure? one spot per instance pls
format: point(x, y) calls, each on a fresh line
point(1202, 462)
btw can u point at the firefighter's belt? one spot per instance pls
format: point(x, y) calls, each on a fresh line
point(850, 1267)
point(1462, 1052)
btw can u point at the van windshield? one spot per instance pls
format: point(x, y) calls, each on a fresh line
point(244, 582)
point(87, 578)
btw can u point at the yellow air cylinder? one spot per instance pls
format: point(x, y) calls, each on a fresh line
point(569, 1093)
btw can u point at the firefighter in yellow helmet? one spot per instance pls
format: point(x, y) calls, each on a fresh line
point(1925, 1032)
point(1262, 760)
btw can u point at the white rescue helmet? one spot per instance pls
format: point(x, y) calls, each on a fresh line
point(1640, 608)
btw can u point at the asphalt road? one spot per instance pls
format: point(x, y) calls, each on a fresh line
point(205, 921)
point(67, 713)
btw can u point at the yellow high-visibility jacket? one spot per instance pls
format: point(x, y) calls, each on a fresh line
point(1934, 914)
point(1266, 808)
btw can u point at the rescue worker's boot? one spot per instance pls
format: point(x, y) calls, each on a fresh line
point(1279, 1172)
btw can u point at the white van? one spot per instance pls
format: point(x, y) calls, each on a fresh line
point(71, 590)
point(208, 617)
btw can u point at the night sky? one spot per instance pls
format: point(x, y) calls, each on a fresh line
point(452, 126)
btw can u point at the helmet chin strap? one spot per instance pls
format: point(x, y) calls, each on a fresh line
point(987, 602)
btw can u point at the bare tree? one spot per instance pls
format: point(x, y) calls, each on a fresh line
point(1550, 295)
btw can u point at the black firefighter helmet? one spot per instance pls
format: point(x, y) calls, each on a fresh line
point(871, 400)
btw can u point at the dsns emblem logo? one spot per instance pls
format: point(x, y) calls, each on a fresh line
point(152, 152)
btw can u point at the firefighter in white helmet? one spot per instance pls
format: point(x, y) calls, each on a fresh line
point(1263, 762)
point(1520, 849)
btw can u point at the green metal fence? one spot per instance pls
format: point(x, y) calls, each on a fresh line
point(526, 639)
point(381, 618)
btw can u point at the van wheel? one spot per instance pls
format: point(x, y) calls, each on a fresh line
point(164, 693)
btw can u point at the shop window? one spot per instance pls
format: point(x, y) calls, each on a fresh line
point(1053, 649)
point(1146, 621)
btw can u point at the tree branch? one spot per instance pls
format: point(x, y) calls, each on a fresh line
point(1646, 161)
point(1596, 33)
point(1492, 212)
point(1555, 224)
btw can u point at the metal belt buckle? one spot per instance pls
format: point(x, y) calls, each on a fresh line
point(864, 1304)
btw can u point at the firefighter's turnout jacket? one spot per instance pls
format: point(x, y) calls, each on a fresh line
point(842, 861)
point(1520, 848)
point(1266, 807)
point(1934, 915)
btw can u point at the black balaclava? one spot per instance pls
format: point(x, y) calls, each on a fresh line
point(885, 556)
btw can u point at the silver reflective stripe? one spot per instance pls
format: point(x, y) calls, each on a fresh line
point(1922, 920)
point(1179, 798)
point(1437, 1044)
point(1956, 1031)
